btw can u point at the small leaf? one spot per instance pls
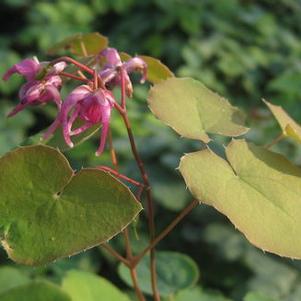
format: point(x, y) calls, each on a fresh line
point(37, 291)
point(175, 272)
point(88, 287)
point(11, 277)
point(258, 190)
point(156, 70)
point(257, 297)
point(48, 212)
point(91, 43)
point(193, 110)
point(288, 125)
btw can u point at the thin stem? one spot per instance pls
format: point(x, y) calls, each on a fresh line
point(81, 74)
point(65, 74)
point(115, 254)
point(151, 222)
point(119, 175)
point(123, 93)
point(129, 255)
point(167, 230)
point(95, 80)
point(112, 151)
point(133, 272)
point(83, 48)
point(275, 141)
point(74, 62)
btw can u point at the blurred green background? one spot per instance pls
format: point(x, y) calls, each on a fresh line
point(243, 49)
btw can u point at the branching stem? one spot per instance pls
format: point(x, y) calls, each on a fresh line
point(150, 207)
point(166, 231)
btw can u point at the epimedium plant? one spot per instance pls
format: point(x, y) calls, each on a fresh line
point(49, 211)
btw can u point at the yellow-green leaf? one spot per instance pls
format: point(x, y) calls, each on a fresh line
point(193, 110)
point(288, 125)
point(83, 286)
point(258, 190)
point(156, 70)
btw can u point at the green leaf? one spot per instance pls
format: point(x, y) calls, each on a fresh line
point(175, 272)
point(257, 297)
point(193, 110)
point(258, 190)
point(156, 70)
point(91, 43)
point(57, 140)
point(47, 211)
point(86, 286)
point(37, 291)
point(288, 125)
point(11, 277)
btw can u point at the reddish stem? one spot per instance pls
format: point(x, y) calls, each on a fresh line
point(69, 75)
point(68, 59)
point(119, 175)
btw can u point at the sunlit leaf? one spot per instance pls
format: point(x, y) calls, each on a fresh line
point(175, 272)
point(47, 211)
point(156, 70)
point(258, 190)
point(288, 125)
point(193, 110)
point(82, 44)
point(36, 291)
point(86, 286)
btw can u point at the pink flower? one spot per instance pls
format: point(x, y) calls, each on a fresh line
point(111, 73)
point(43, 83)
point(92, 107)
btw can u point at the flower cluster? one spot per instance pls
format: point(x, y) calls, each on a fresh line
point(91, 103)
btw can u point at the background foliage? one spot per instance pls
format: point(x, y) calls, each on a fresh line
point(244, 50)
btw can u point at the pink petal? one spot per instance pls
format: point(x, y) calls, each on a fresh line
point(106, 114)
point(112, 57)
point(28, 68)
point(72, 99)
point(19, 107)
point(136, 64)
point(53, 94)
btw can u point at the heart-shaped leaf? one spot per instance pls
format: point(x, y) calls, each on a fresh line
point(175, 271)
point(193, 110)
point(258, 190)
point(48, 212)
point(82, 44)
point(86, 286)
point(36, 291)
point(288, 125)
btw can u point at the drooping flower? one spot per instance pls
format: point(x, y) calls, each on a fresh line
point(43, 83)
point(114, 69)
point(92, 107)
